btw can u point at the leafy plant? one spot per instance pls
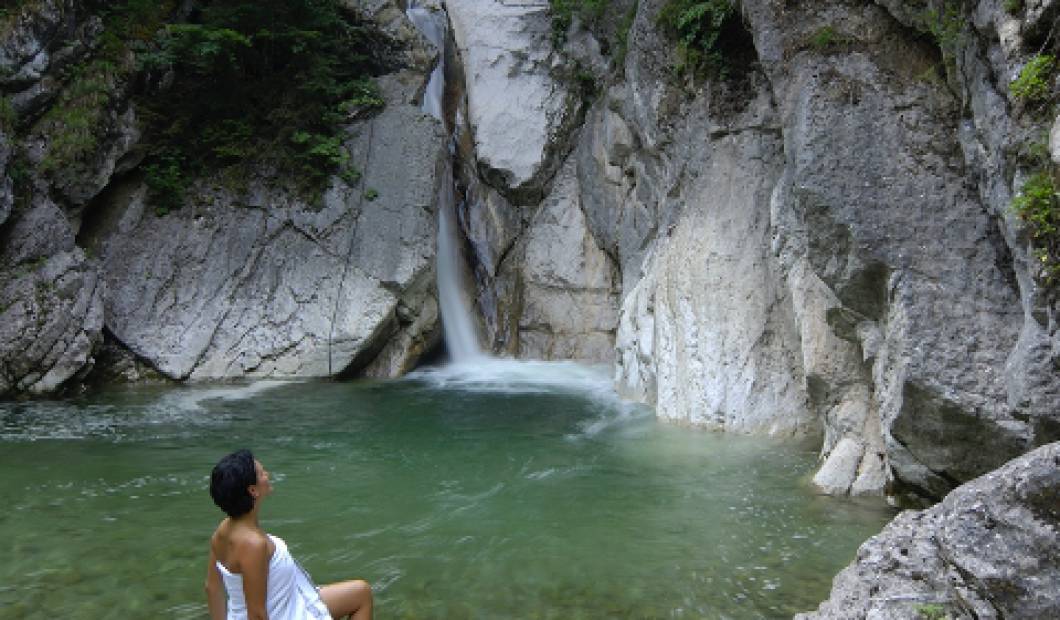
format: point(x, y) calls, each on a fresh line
point(165, 182)
point(371, 194)
point(1034, 84)
point(1038, 204)
point(697, 27)
point(1013, 7)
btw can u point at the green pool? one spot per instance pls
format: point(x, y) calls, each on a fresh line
point(525, 493)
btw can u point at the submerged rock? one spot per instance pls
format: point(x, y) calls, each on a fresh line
point(989, 550)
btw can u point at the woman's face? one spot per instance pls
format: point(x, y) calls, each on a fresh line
point(263, 485)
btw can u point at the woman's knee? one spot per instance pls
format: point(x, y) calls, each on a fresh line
point(362, 588)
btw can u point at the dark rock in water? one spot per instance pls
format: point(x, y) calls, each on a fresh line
point(990, 549)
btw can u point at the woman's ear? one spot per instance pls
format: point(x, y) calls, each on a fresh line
point(253, 490)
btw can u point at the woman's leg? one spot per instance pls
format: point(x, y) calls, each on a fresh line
point(348, 598)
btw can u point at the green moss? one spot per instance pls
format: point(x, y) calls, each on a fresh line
point(1034, 84)
point(1013, 7)
point(371, 194)
point(1038, 205)
point(8, 115)
point(622, 35)
point(931, 611)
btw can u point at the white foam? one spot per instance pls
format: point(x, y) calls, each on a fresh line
point(191, 398)
point(508, 376)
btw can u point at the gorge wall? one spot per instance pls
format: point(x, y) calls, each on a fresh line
point(818, 240)
point(248, 278)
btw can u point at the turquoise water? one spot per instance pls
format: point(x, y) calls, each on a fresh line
point(454, 500)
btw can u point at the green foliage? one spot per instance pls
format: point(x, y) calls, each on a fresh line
point(1034, 84)
point(165, 182)
point(267, 83)
point(697, 26)
point(931, 611)
point(563, 12)
point(78, 115)
point(1013, 7)
point(364, 96)
point(945, 26)
point(824, 37)
point(1039, 206)
point(371, 194)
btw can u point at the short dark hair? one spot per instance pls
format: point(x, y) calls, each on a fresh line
point(229, 481)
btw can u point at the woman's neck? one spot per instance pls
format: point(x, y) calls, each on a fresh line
point(249, 519)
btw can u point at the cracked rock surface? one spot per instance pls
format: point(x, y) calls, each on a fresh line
point(989, 550)
point(262, 284)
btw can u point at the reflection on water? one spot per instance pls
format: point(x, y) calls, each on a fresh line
point(508, 492)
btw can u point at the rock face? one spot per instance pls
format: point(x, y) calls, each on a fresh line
point(989, 550)
point(51, 302)
point(263, 285)
point(519, 114)
point(243, 282)
point(820, 241)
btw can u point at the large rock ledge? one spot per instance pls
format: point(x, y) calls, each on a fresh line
point(990, 549)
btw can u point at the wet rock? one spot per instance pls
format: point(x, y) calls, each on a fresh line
point(988, 550)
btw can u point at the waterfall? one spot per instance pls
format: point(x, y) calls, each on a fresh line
point(461, 338)
point(431, 24)
point(460, 335)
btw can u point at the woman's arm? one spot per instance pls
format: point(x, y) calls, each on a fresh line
point(254, 565)
point(215, 591)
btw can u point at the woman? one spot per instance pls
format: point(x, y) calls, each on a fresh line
point(260, 577)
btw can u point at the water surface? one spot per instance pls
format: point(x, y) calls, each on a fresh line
point(456, 498)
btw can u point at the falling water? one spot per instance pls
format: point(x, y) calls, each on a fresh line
point(431, 24)
point(460, 334)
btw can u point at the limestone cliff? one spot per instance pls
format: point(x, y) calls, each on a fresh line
point(249, 278)
point(820, 239)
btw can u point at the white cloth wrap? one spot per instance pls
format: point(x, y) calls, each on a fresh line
point(290, 593)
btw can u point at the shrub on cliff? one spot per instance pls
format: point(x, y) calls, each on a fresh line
point(698, 27)
point(1034, 84)
point(268, 82)
point(1038, 204)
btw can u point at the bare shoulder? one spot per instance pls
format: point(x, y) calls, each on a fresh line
point(250, 544)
